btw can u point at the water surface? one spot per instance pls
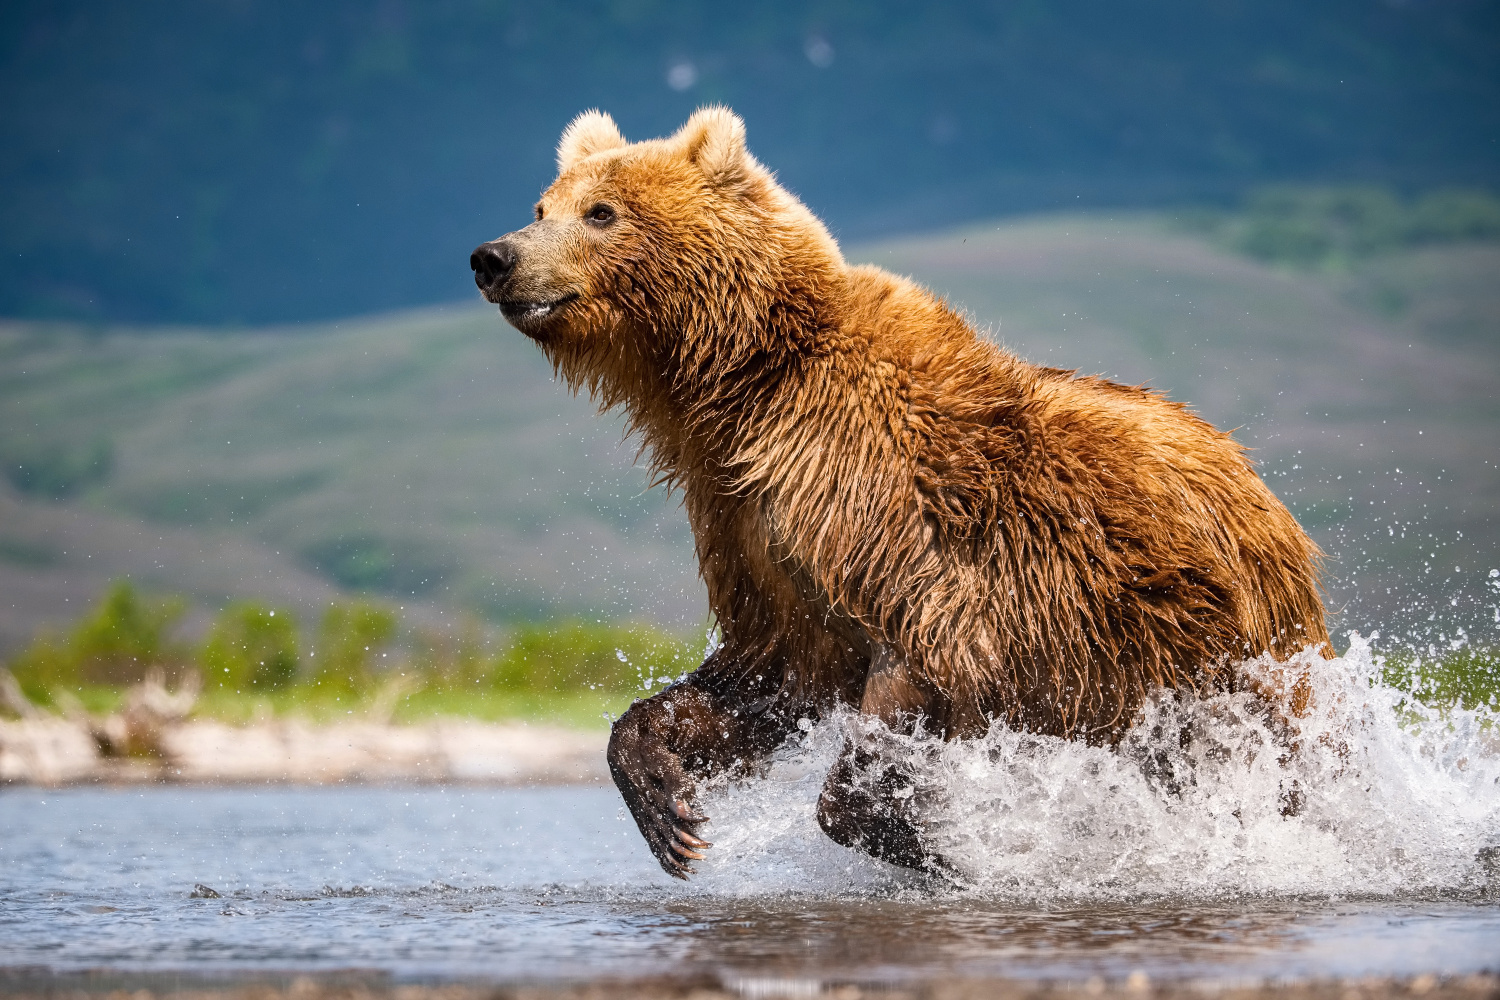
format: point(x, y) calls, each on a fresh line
point(1170, 856)
point(551, 884)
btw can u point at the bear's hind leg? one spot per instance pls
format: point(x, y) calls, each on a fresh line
point(868, 806)
point(870, 803)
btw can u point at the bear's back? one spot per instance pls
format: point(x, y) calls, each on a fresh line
point(1168, 559)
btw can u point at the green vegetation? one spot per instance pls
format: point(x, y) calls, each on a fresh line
point(353, 637)
point(578, 655)
point(251, 649)
point(360, 659)
point(1467, 677)
point(370, 562)
point(1330, 227)
point(111, 646)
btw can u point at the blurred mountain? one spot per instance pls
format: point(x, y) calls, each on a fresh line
point(252, 162)
point(427, 456)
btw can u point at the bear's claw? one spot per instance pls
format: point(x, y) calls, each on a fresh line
point(655, 781)
point(683, 811)
point(665, 819)
point(687, 839)
point(673, 852)
point(679, 845)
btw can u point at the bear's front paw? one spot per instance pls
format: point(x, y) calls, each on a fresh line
point(659, 794)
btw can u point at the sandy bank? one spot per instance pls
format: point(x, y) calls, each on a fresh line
point(52, 750)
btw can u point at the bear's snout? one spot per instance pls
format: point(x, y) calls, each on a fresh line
point(492, 263)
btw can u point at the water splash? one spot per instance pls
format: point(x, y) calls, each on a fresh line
point(1393, 799)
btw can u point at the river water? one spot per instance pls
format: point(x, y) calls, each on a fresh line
point(1078, 863)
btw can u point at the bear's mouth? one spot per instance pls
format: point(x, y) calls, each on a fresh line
point(519, 311)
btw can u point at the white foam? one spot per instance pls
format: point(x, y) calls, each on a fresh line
point(1395, 800)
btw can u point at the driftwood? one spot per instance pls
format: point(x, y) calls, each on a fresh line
point(14, 699)
point(137, 730)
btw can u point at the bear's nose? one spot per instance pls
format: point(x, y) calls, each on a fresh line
point(492, 263)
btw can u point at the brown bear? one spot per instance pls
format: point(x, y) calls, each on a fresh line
point(890, 513)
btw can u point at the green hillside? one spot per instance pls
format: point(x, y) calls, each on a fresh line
point(428, 457)
point(424, 457)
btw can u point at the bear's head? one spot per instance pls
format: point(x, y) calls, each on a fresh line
point(654, 263)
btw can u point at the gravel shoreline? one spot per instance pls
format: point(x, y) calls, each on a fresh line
point(23, 985)
point(51, 750)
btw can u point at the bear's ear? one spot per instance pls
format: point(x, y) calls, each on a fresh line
point(591, 132)
point(714, 140)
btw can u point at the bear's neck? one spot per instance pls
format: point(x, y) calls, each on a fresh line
point(735, 374)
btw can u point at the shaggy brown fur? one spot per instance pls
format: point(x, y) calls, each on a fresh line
point(889, 511)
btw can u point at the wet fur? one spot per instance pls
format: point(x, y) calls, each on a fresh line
point(888, 510)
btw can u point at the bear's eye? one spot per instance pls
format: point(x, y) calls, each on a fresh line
point(601, 215)
point(539, 211)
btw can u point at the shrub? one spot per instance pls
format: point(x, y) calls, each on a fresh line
point(1289, 241)
point(126, 634)
point(1307, 225)
point(577, 655)
point(450, 662)
point(254, 649)
point(374, 563)
point(1468, 677)
point(251, 647)
point(114, 644)
point(45, 666)
point(350, 641)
